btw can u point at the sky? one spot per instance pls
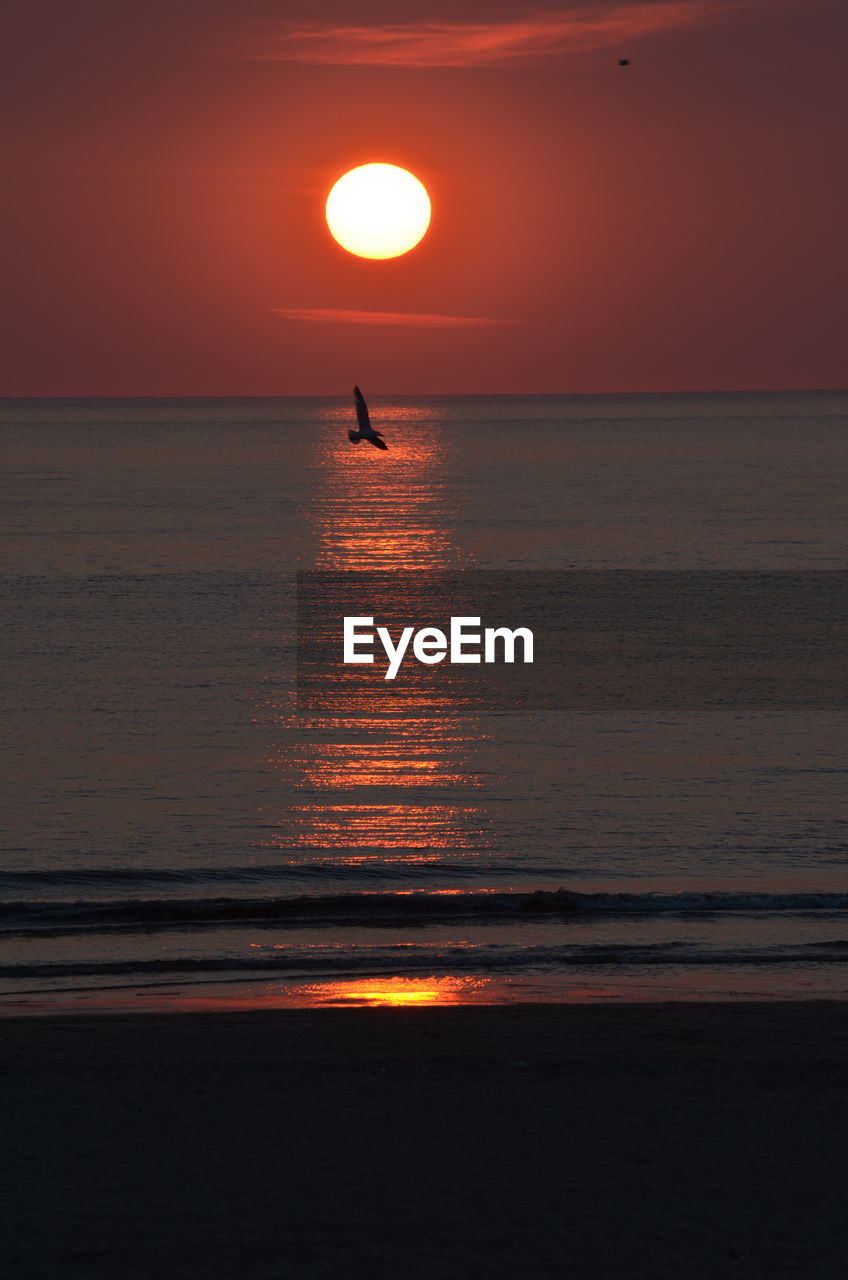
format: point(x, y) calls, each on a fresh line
point(676, 224)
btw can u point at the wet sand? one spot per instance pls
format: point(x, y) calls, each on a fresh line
point(522, 1141)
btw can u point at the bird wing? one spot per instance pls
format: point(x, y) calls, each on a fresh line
point(362, 412)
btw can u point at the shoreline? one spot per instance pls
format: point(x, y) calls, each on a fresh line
point(725, 985)
point(543, 1018)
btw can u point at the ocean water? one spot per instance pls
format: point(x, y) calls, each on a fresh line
point(178, 831)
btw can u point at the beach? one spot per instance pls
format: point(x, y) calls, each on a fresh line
point(449, 992)
point(640, 1140)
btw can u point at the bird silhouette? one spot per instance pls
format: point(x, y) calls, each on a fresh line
point(366, 431)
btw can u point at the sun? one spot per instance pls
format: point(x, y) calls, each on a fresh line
point(378, 211)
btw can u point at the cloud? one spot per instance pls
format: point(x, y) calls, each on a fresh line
point(336, 315)
point(480, 44)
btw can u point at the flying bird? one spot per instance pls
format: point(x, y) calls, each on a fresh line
point(366, 431)
point(624, 62)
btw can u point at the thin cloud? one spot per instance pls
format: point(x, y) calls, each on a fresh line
point(336, 315)
point(479, 44)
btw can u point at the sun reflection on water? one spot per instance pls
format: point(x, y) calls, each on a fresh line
point(403, 781)
point(376, 512)
point(395, 991)
point(424, 752)
point(387, 826)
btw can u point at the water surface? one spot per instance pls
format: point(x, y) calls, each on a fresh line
point(175, 831)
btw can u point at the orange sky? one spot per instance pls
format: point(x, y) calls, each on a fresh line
point(676, 224)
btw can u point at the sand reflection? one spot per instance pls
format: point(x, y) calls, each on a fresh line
point(396, 991)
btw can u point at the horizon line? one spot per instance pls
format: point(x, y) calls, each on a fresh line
point(435, 395)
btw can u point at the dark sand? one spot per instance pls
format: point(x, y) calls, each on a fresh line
point(602, 1141)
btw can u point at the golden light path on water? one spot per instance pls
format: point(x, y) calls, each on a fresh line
point(374, 512)
point(369, 791)
point(379, 512)
point(390, 826)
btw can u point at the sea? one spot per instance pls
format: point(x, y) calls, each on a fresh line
point(181, 829)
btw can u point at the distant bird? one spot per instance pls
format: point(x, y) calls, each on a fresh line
point(366, 431)
point(624, 62)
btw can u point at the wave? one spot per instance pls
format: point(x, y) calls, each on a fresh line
point(401, 959)
point(37, 916)
point(415, 866)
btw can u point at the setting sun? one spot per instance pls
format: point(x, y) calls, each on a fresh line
point(378, 211)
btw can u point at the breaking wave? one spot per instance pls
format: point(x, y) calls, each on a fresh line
point(407, 959)
point(27, 916)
